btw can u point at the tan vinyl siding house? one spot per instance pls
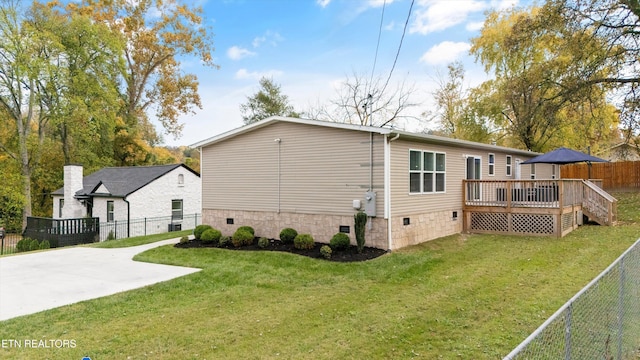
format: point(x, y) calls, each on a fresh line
point(312, 175)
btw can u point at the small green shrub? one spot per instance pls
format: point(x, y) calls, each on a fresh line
point(197, 232)
point(225, 240)
point(211, 236)
point(34, 245)
point(263, 242)
point(340, 241)
point(248, 229)
point(325, 251)
point(184, 239)
point(360, 219)
point(303, 241)
point(241, 238)
point(287, 235)
point(111, 236)
point(45, 244)
point(24, 245)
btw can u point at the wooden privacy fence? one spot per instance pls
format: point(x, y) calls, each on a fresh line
point(620, 175)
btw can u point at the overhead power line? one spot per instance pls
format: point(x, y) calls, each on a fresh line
point(406, 23)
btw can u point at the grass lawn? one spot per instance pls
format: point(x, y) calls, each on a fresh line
point(460, 297)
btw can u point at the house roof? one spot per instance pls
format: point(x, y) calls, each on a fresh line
point(122, 181)
point(421, 137)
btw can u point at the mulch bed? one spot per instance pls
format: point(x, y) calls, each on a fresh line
point(349, 255)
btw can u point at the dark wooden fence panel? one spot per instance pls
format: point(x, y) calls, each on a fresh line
point(618, 176)
point(64, 232)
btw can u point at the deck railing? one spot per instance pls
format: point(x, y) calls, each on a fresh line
point(523, 193)
point(537, 207)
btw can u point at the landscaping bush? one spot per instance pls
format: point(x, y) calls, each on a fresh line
point(24, 245)
point(360, 220)
point(34, 245)
point(248, 229)
point(45, 244)
point(211, 236)
point(263, 242)
point(241, 238)
point(340, 241)
point(111, 236)
point(303, 241)
point(184, 239)
point(225, 240)
point(325, 251)
point(197, 232)
point(287, 235)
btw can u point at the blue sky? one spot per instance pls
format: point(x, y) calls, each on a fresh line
point(309, 47)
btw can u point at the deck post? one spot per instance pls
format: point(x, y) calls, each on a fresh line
point(464, 205)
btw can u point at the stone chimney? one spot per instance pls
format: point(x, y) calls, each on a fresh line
point(72, 183)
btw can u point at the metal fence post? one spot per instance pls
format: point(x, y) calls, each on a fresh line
point(567, 333)
point(621, 309)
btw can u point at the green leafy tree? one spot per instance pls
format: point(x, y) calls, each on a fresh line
point(157, 34)
point(268, 101)
point(458, 111)
point(537, 76)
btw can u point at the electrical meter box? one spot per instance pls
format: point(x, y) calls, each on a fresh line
point(370, 203)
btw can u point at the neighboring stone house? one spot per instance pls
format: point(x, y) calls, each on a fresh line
point(127, 194)
point(314, 176)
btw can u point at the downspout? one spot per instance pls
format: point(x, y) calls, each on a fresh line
point(279, 141)
point(387, 186)
point(128, 216)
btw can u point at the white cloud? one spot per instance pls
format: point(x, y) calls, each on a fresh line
point(503, 4)
point(474, 26)
point(390, 26)
point(435, 15)
point(269, 37)
point(237, 53)
point(379, 3)
point(323, 3)
point(257, 75)
point(445, 52)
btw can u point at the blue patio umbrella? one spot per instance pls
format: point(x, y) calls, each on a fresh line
point(563, 156)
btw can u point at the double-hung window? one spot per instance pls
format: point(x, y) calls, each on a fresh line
point(110, 211)
point(508, 165)
point(492, 164)
point(176, 209)
point(427, 171)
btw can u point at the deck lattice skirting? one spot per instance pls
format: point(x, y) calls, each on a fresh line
point(534, 207)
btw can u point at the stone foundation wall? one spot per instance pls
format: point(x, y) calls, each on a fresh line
point(424, 227)
point(321, 226)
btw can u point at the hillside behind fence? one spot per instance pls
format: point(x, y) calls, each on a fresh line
point(618, 176)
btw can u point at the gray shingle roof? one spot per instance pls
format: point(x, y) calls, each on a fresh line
point(122, 181)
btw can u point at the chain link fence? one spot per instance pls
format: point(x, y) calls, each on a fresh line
point(602, 321)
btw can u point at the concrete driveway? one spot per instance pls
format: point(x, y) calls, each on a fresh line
point(34, 282)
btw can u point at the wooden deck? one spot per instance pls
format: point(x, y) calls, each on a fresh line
point(534, 207)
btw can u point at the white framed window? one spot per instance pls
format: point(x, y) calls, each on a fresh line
point(110, 211)
point(61, 205)
point(176, 209)
point(427, 172)
point(533, 171)
point(492, 164)
point(508, 165)
point(180, 179)
point(553, 171)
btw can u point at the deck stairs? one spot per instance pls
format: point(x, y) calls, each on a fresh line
point(599, 205)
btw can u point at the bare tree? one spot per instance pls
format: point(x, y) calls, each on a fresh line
point(367, 102)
